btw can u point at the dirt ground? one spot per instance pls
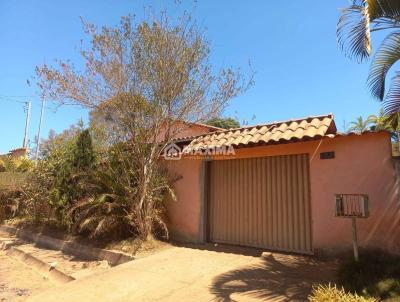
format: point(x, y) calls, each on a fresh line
point(180, 273)
point(131, 246)
point(18, 281)
point(201, 273)
point(70, 265)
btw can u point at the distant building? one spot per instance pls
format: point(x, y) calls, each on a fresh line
point(19, 152)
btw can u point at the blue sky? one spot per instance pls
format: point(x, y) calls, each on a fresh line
point(292, 47)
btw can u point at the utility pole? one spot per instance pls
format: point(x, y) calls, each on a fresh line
point(40, 127)
point(28, 114)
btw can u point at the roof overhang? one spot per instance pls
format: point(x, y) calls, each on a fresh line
point(295, 130)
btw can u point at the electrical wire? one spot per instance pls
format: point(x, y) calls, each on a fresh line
point(17, 96)
point(10, 100)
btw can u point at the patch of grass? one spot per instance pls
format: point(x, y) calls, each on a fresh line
point(330, 293)
point(377, 274)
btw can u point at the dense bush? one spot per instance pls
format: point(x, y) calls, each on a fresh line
point(89, 192)
point(333, 294)
point(112, 207)
point(376, 274)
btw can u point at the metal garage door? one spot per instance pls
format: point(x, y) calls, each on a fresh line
point(261, 202)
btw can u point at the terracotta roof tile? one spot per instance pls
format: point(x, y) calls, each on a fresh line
point(276, 132)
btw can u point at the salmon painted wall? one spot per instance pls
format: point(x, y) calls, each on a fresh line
point(184, 214)
point(362, 164)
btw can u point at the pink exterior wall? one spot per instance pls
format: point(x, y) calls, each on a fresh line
point(185, 213)
point(363, 164)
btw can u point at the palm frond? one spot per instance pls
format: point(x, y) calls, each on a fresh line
point(160, 222)
point(360, 19)
point(100, 229)
point(107, 225)
point(380, 122)
point(105, 198)
point(80, 206)
point(353, 31)
point(387, 10)
point(89, 224)
point(386, 56)
point(391, 103)
point(394, 122)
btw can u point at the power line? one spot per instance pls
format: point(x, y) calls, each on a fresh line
point(17, 96)
point(22, 102)
point(10, 100)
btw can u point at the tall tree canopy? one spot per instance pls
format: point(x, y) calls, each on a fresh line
point(141, 77)
point(226, 123)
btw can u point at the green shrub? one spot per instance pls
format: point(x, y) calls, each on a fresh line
point(376, 274)
point(111, 210)
point(330, 293)
point(91, 193)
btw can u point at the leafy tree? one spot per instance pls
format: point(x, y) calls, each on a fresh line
point(225, 123)
point(84, 157)
point(63, 170)
point(141, 77)
point(355, 26)
point(360, 125)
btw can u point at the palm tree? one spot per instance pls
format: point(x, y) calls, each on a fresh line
point(355, 26)
point(380, 121)
point(360, 125)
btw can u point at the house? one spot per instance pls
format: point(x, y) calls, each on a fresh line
point(182, 130)
point(19, 152)
point(277, 189)
point(16, 153)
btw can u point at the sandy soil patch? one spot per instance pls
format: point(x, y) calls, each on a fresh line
point(18, 281)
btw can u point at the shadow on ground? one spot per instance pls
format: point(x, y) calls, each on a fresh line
point(277, 277)
point(223, 248)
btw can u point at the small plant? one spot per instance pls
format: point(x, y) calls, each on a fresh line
point(329, 293)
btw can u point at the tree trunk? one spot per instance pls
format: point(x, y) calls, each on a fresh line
point(145, 226)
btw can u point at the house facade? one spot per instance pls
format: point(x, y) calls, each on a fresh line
point(277, 189)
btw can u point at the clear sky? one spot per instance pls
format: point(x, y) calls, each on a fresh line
point(300, 70)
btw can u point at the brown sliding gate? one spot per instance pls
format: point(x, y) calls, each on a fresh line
point(261, 202)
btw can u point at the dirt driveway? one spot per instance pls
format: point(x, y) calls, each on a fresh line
point(200, 273)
